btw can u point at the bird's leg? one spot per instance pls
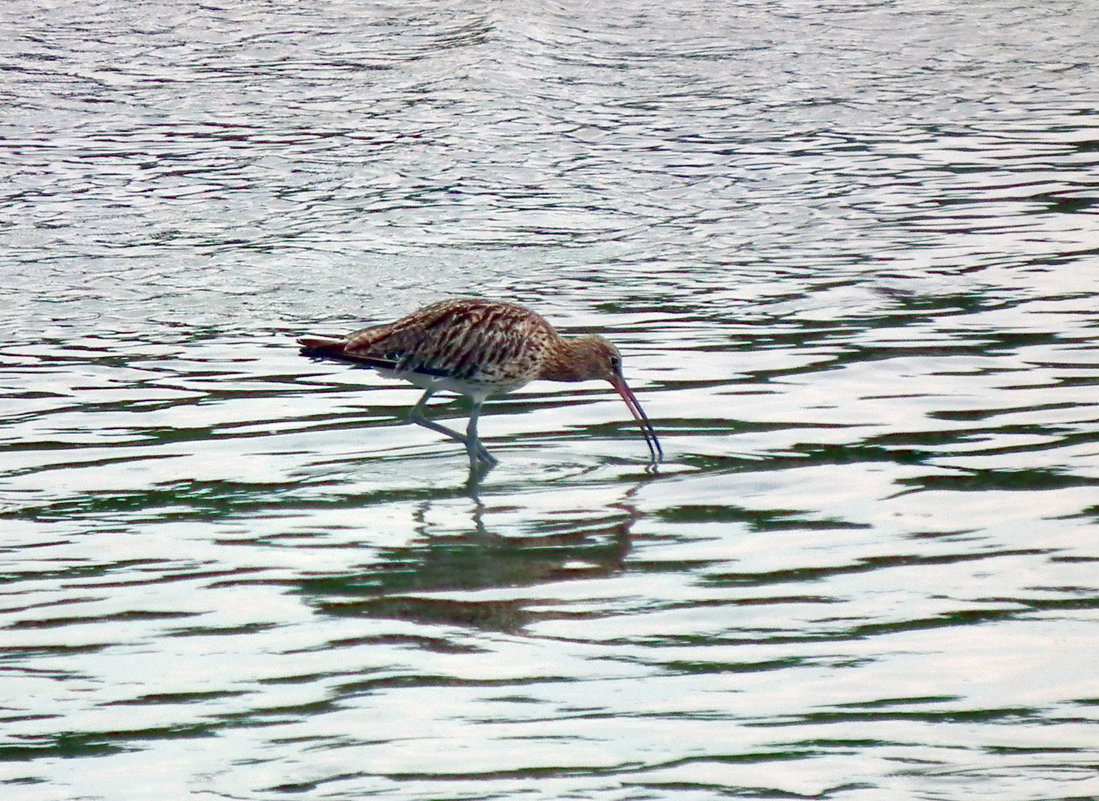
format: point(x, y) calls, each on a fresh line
point(417, 416)
point(473, 444)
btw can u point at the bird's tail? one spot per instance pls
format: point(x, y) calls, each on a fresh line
point(322, 346)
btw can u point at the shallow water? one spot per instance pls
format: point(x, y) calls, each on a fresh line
point(849, 253)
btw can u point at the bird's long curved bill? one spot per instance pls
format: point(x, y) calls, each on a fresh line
point(641, 418)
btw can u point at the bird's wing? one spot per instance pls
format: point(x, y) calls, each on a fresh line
point(464, 339)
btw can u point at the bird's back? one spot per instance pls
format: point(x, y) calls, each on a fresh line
point(468, 345)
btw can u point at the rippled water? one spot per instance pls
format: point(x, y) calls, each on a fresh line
point(849, 251)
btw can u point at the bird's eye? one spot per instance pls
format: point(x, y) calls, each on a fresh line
point(616, 364)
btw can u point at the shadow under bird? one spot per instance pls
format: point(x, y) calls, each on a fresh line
point(480, 348)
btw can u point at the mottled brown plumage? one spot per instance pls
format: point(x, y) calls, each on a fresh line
point(479, 348)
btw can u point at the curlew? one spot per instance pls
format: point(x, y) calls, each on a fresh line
point(479, 349)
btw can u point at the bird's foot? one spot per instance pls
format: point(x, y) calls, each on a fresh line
point(478, 454)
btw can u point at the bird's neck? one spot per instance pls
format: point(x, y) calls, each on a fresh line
point(566, 361)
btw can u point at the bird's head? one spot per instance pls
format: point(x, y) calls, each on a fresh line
point(591, 357)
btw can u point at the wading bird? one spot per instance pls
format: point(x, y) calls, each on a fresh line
point(480, 348)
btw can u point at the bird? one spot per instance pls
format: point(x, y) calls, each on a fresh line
point(479, 348)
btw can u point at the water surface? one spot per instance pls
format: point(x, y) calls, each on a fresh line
point(849, 253)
